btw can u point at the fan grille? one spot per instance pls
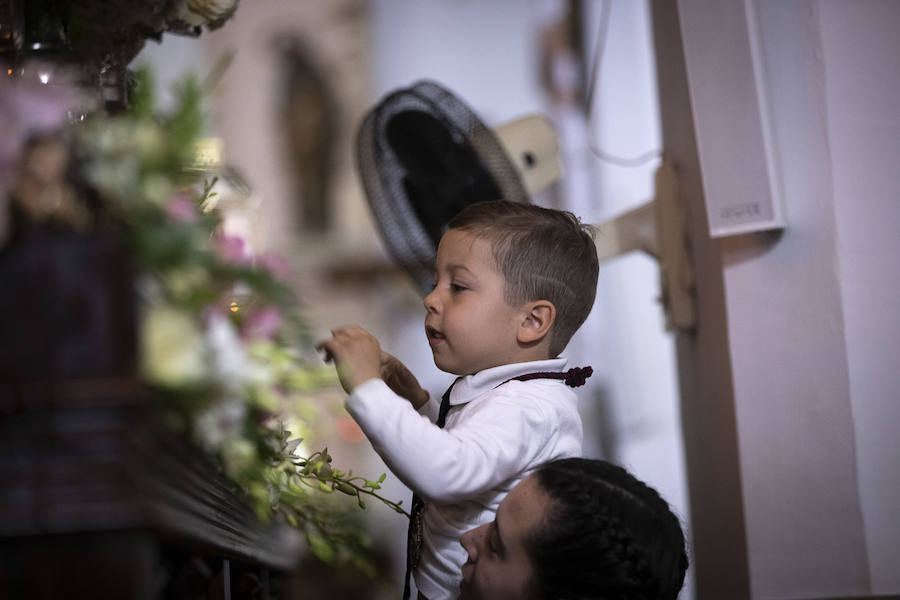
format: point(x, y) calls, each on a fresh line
point(423, 156)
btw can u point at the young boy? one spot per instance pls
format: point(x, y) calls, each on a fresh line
point(513, 283)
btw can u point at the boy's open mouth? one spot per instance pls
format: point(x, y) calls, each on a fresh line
point(434, 336)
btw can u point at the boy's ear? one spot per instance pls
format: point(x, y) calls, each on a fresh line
point(539, 318)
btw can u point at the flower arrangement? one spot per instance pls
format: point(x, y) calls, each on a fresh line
point(222, 348)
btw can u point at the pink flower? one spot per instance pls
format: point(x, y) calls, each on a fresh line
point(232, 249)
point(277, 265)
point(348, 429)
point(263, 323)
point(181, 209)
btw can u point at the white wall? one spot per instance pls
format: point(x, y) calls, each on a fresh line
point(861, 54)
point(636, 353)
point(483, 51)
point(812, 315)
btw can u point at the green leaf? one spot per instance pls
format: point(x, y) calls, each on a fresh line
point(320, 547)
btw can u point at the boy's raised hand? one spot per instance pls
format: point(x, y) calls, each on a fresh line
point(402, 381)
point(356, 354)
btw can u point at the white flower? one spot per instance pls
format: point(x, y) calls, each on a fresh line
point(202, 12)
point(221, 422)
point(157, 189)
point(147, 140)
point(226, 352)
point(116, 178)
point(172, 349)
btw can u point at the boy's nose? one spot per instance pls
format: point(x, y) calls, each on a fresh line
point(431, 301)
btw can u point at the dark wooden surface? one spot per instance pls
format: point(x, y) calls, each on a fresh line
point(96, 500)
point(95, 496)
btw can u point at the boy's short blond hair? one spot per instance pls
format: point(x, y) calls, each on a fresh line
point(542, 254)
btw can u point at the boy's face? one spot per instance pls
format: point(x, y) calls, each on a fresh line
point(469, 325)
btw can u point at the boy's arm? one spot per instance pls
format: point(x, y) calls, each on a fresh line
point(498, 440)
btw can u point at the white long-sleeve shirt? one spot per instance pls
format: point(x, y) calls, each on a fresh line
point(494, 435)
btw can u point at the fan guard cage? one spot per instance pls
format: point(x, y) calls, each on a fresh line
point(383, 174)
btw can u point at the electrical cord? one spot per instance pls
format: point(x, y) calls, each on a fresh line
point(635, 161)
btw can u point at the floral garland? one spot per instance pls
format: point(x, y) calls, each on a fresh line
point(220, 338)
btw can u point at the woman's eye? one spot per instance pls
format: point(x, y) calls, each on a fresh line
point(491, 540)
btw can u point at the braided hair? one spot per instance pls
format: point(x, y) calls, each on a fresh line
point(607, 536)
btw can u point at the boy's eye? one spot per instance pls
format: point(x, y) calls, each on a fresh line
point(455, 287)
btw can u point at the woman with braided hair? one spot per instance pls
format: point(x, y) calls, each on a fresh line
point(577, 529)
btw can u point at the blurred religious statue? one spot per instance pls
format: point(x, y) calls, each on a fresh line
point(309, 114)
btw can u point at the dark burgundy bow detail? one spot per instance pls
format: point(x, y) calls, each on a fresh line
point(574, 377)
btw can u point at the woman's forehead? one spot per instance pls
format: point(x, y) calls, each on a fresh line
point(523, 509)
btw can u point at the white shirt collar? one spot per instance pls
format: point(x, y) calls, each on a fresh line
point(472, 386)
